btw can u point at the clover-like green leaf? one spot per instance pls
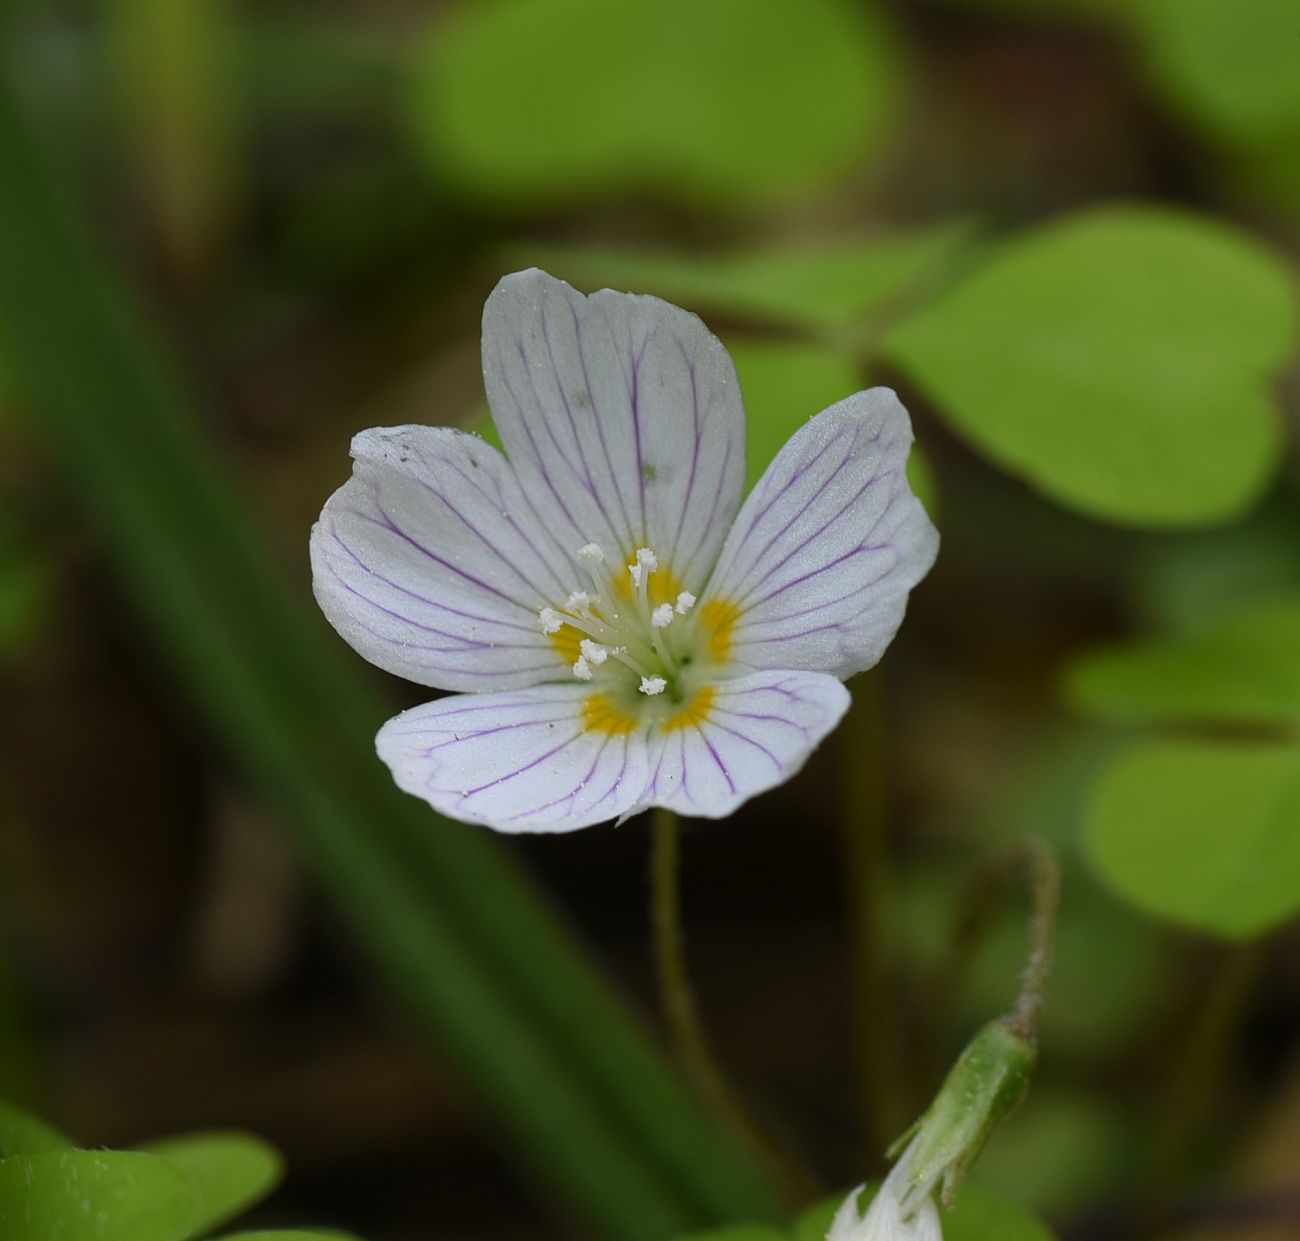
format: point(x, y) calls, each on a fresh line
point(1205, 833)
point(1245, 669)
point(229, 1171)
point(76, 1195)
point(784, 383)
point(24, 1134)
point(1120, 360)
point(728, 101)
point(825, 286)
point(1232, 67)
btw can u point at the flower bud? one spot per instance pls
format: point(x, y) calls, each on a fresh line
point(989, 1079)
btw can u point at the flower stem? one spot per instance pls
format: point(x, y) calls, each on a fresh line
point(682, 1017)
point(1044, 874)
point(980, 904)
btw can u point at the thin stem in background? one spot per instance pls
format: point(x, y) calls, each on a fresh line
point(981, 902)
point(1196, 1078)
point(685, 1027)
point(887, 1102)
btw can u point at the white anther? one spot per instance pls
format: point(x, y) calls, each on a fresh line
point(685, 602)
point(644, 556)
point(552, 621)
point(662, 616)
point(634, 572)
point(593, 652)
point(653, 685)
point(582, 669)
point(579, 601)
point(592, 553)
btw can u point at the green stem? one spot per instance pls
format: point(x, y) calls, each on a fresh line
point(1044, 875)
point(685, 1027)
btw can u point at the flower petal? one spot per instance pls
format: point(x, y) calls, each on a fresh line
point(751, 734)
point(818, 566)
point(621, 415)
point(523, 761)
point(430, 561)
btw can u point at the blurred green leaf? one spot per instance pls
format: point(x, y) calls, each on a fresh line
point(784, 383)
point(814, 1223)
point(980, 1215)
point(732, 102)
point(291, 1234)
point(1246, 669)
point(825, 287)
point(476, 953)
point(1231, 67)
point(1062, 1152)
point(94, 1196)
point(977, 1216)
point(739, 1232)
point(1120, 360)
point(24, 586)
point(228, 1171)
point(1206, 833)
point(24, 1134)
point(1184, 583)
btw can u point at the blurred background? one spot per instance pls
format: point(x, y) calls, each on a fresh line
point(233, 234)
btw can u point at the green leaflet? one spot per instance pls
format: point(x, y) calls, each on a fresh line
point(1120, 360)
point(73, 1195)
point(729, 103)
point(1245, 669)
point(227, 1171)
point(1205, 833)
point(24, 1134)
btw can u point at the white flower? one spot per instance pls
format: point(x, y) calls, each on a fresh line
point(444, 562)
point(900, 1211)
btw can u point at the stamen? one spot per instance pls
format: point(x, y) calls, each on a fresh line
point(644, 556)
point(685, 602)
point(593, 652)
point(634, 572)
point(653, 685)
point(552, 621)
point(592, 554)
point(579, 601)
point(581, 669)
point(662, 616)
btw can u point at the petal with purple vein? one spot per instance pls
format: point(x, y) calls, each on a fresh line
point(826, 548)
point(522, 761)
point(756, 732)
point(620, 412)
point(432, 562)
